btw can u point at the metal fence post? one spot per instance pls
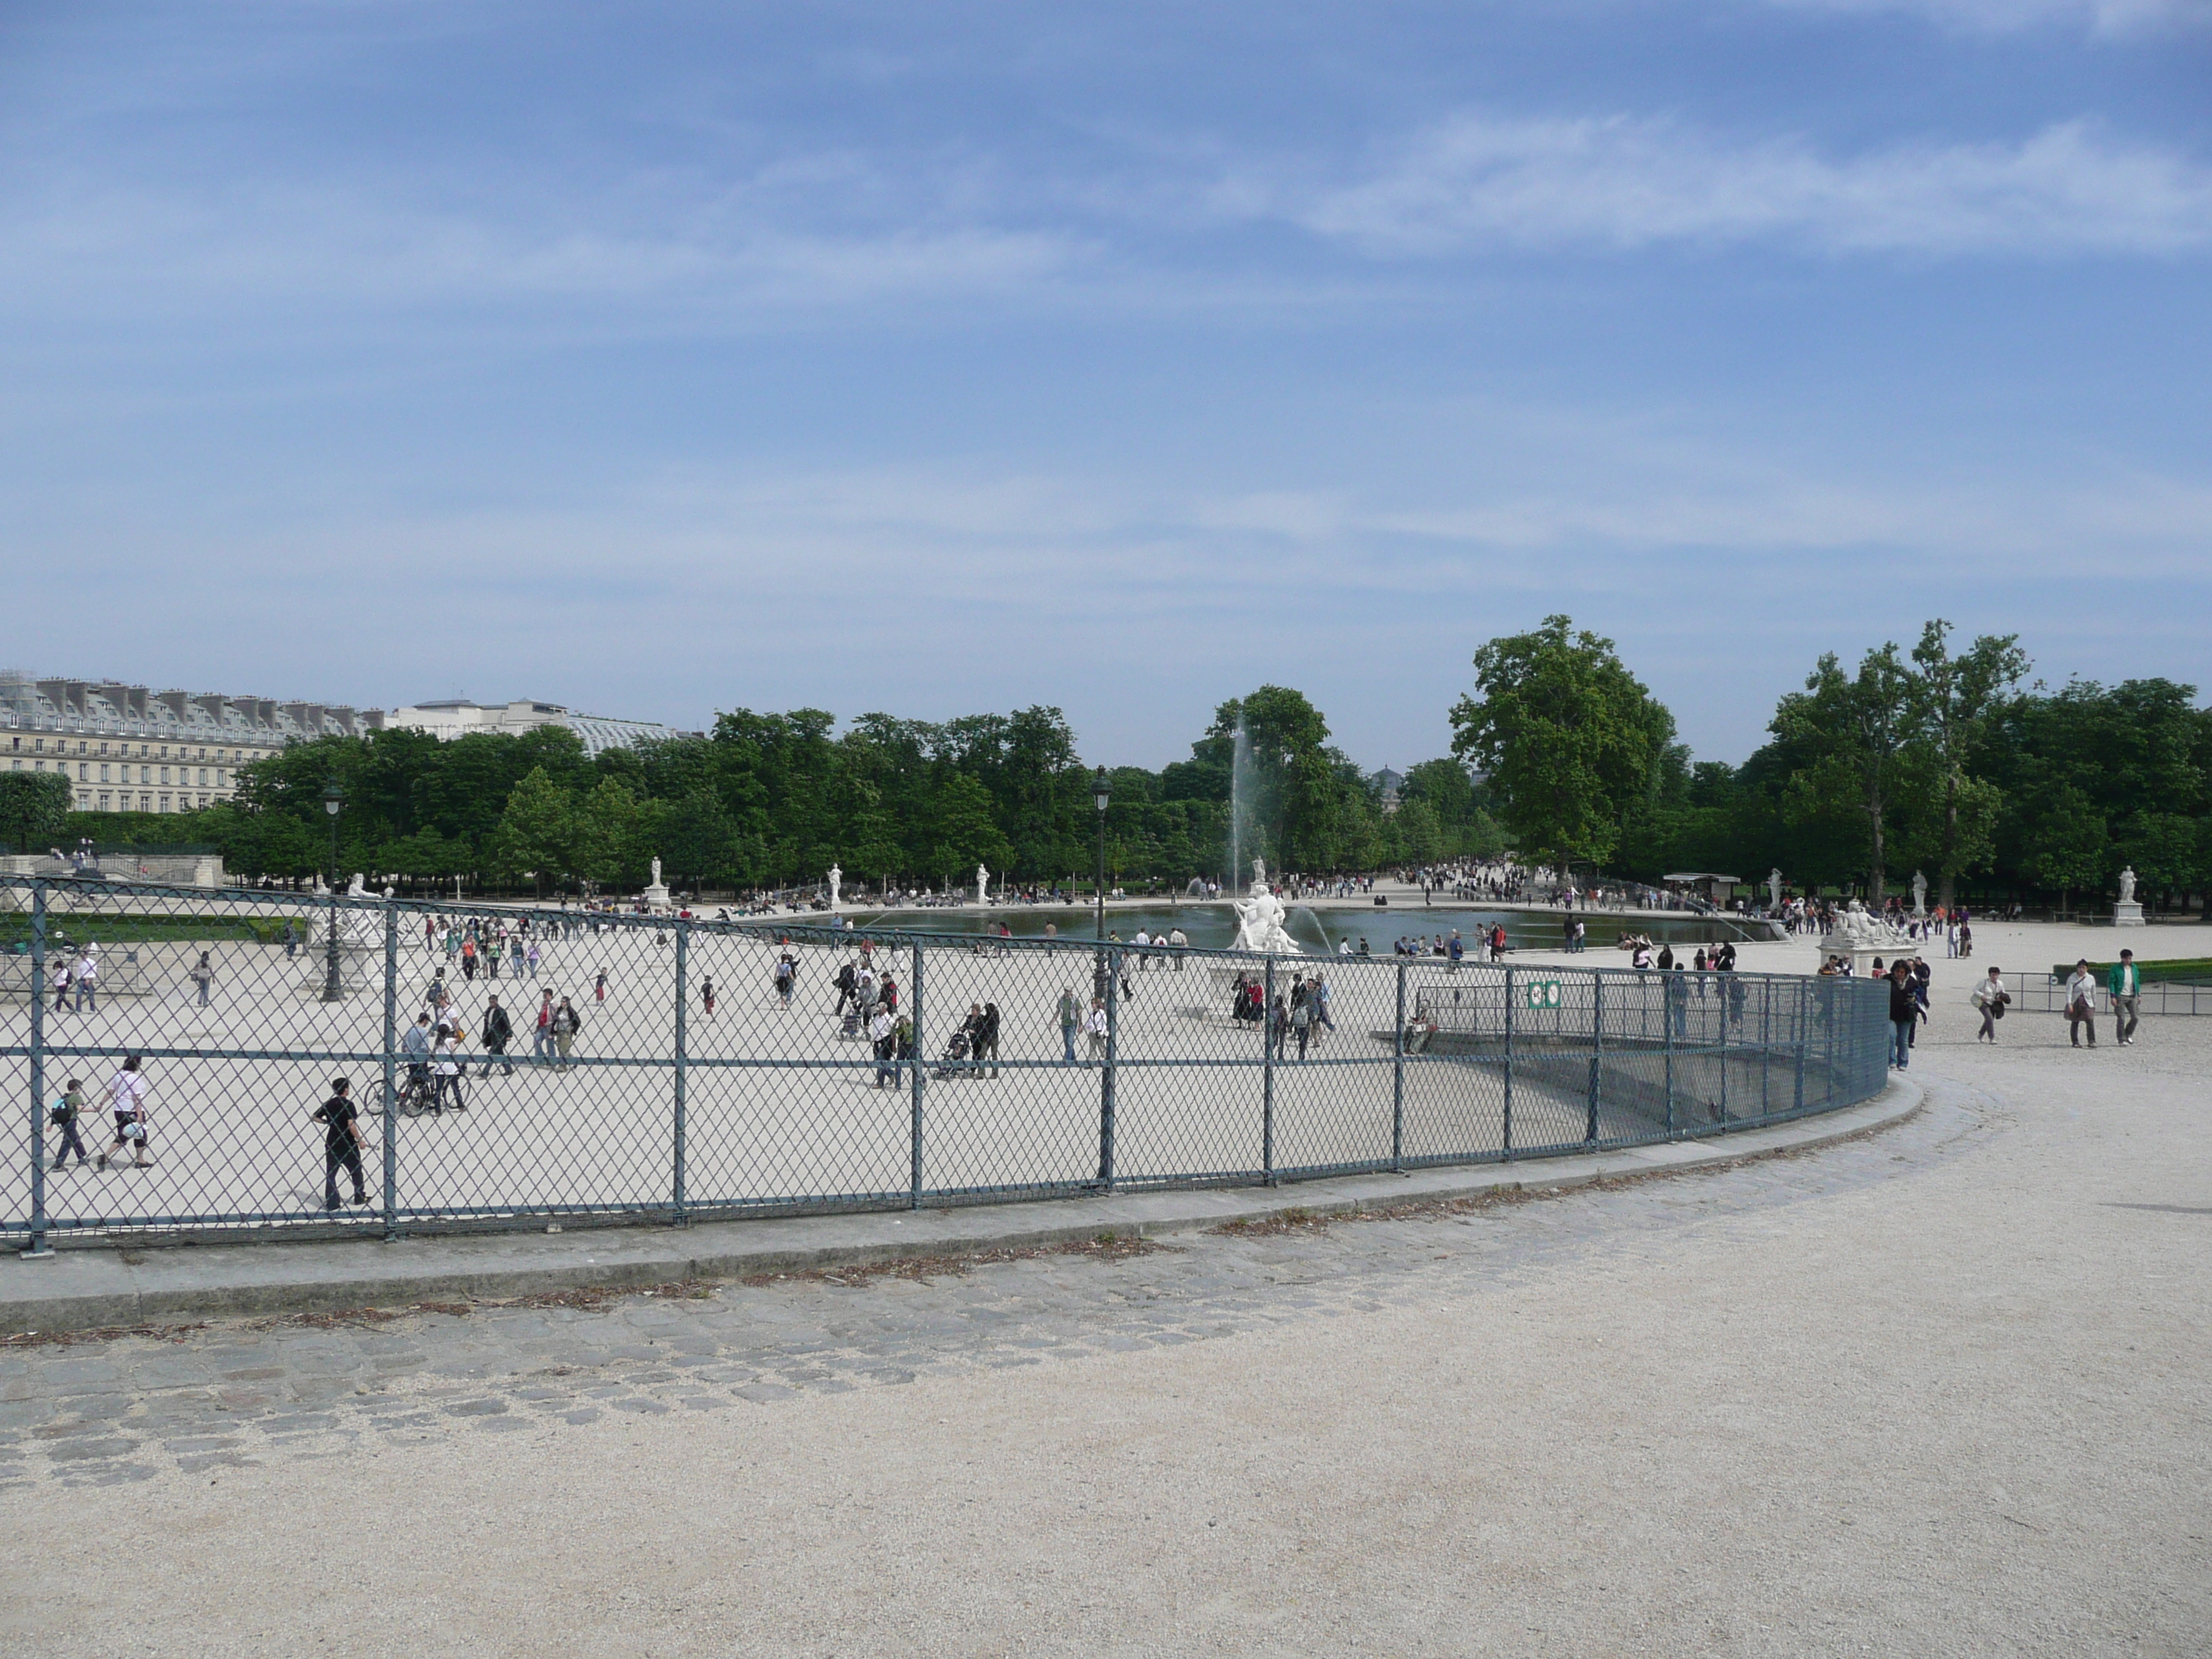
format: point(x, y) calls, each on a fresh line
point(39, 1245)
point(1797, 1093)
point(1669, 988)
point(1505, 1135)
point(1597, 1047)
point(1267, 1076)
point(914, 1098)
point(682, 1036)
point(1766, 1045)
point(1721, 982)
point(1109, 1071)
point(390, 1071)
point(1398, 1080)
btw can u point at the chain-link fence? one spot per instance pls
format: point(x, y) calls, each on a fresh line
point(177, 1047)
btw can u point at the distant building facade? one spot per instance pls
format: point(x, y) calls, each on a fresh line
point(457, 717)
point(129, 749)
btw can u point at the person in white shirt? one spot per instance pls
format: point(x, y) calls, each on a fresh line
point(126, 1097)
point(1179, 942)
point(879, 1036)
point(2082, 1004)
point(1990, 997)
point(1094, 1024)
point(85, 972)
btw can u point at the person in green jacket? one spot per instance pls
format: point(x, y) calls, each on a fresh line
point(2124, 984)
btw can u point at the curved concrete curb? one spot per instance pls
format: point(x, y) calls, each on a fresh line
point(96, 1289)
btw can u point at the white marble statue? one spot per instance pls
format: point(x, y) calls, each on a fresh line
point(656, 873)
point(836, 876)
point(1258, 873)
point(982, 886)
point(2128, 886)
point(358, 887)
point(1260, 924)
point(1919, 894)
point(1774, 890)
point(1861, 926)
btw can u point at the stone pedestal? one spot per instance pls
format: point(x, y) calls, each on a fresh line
point(1860, 954)
point(657, 896)
point(2128, 913)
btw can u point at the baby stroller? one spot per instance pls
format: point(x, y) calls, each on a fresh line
point(956, 1054)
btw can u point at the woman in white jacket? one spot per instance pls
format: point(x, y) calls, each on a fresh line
point(1990, 997)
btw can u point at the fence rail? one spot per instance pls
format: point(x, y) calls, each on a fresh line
point(2045, 994)
point(699, 1078)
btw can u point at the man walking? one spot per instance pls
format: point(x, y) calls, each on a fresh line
point(541, 1040)
point(2125, 986)
point(1070, 1017)
point(498, 1032)
point(64, 1116)
point(86, 974)
point(341, 1143)
point(2082, 1004)
point(1903, 1014)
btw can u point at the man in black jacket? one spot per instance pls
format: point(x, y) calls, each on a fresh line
point(1904, 1013)
point(498, 1032)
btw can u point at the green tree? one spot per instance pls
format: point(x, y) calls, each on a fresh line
point(962, 833)
point(2069, 847)
point(1570, 740)
point(606, 832)
point(699, 838)
point(1420, 838)
point(536, 833)
point(1958, 696)
point(33, 807)
point(1857, 731)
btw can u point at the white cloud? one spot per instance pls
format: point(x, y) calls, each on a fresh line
point(1627, 183)
point(2104, 17)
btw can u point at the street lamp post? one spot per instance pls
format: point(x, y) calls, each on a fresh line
point(1099, 795)
point(333, 990)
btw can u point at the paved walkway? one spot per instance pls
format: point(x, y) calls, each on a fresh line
point(1943, 1389)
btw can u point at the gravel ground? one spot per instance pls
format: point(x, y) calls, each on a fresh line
point(1941, 1389)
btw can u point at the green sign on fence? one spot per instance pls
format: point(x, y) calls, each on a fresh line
point(1543, 993)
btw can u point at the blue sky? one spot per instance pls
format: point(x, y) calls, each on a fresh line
point(667, 358)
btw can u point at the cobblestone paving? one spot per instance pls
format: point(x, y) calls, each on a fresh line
point(122, 1408)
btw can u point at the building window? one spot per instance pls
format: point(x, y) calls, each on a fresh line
point(103, 803)
point(165, 772)
point(103, 773)
point(145, 803)
point(83, 801)
point(165, 803)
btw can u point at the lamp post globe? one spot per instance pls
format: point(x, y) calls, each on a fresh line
point(333, 990)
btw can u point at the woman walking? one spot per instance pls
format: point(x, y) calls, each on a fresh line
point(567, 1022)
point(126, 1097)
point(450, 1067)
point(202, 974)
